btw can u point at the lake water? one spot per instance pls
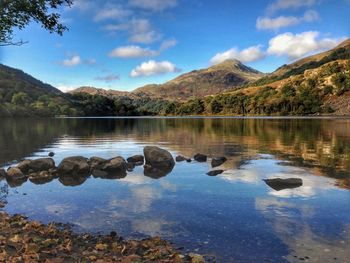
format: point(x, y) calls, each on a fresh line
point(234, 216)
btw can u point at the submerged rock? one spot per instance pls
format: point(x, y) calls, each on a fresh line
point(215, 172)
point(137, 159)
point(217, 161)
point(51, 154)
point(280, 184)
point(157, 157)
point(180, 158)
point(200, 158)
point(74, 165)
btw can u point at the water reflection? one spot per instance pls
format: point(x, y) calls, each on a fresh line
point(234, 215)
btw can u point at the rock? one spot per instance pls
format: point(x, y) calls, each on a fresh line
point(188, 160)
point(114, 168)
point(157, 157)
point(195, 258)
point(3, 173)
point(24, 166)
point(114, 165)
point(42, 164)
point(180, 158)
point(280, 184)
point(217, 161)
point(74, 165)
point(96, 162)
point(215, 172)
point(156, 172)
point(15, 173)
point(200, 158)
point(139, 159)
point(51, 154)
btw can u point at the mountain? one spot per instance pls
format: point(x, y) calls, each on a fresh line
point(342, 51)
point(16, 80)
point(101, 92)
point(200, 83)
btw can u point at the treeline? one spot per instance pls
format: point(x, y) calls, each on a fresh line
point(300, 95)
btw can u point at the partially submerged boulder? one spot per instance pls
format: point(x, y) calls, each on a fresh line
point(24, 166)
point(96, 162)
point(158, 158)
point(215, 172)
point(200, 157)
point(51, 154)
point(15, 173)
point(281, 184)
point(217, 161)
point(181, 158)
point(114, 168)
point(72, 180)
point(41, 164)
point(74, 165)
point(136, 159)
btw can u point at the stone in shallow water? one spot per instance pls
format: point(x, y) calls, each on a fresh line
point(281, 184)
point(157, 157)
point(139, 159)
point(215, 172)
point(200, 158)
point(74, 165)
point(217, 161)
point(180, 158)
point(41, 164)
point(3, 173)
point(15, 173)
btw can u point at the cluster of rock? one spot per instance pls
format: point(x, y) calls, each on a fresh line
point(75, 170)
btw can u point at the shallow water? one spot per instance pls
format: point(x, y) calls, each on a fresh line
point(234, 216)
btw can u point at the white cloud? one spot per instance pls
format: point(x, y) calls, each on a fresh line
point(153, 5)
point(65, 88)
point(167, 44)
point(290, 4)
point(139, 30)
point(153, 68)
point(109, 11)
point(250, 54)
point(72, 61)
point(132, 52)
point(266, 23)
point(298, 45)
point(82, 5)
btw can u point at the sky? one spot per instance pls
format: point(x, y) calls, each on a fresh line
point(125, 44)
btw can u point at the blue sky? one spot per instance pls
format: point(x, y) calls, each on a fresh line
point(125, 44)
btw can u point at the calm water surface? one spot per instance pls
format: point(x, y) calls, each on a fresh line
point(234, 216)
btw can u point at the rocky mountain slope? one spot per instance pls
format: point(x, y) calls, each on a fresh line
point(200, 83)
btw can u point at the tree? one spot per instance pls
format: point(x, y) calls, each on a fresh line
point(19, 13)
point(20, 98)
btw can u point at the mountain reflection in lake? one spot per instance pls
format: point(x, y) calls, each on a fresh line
point(234, 215)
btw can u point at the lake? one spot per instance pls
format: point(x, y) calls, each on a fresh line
point(234, 216)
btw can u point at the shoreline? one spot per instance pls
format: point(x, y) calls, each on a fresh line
point(32, 241)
